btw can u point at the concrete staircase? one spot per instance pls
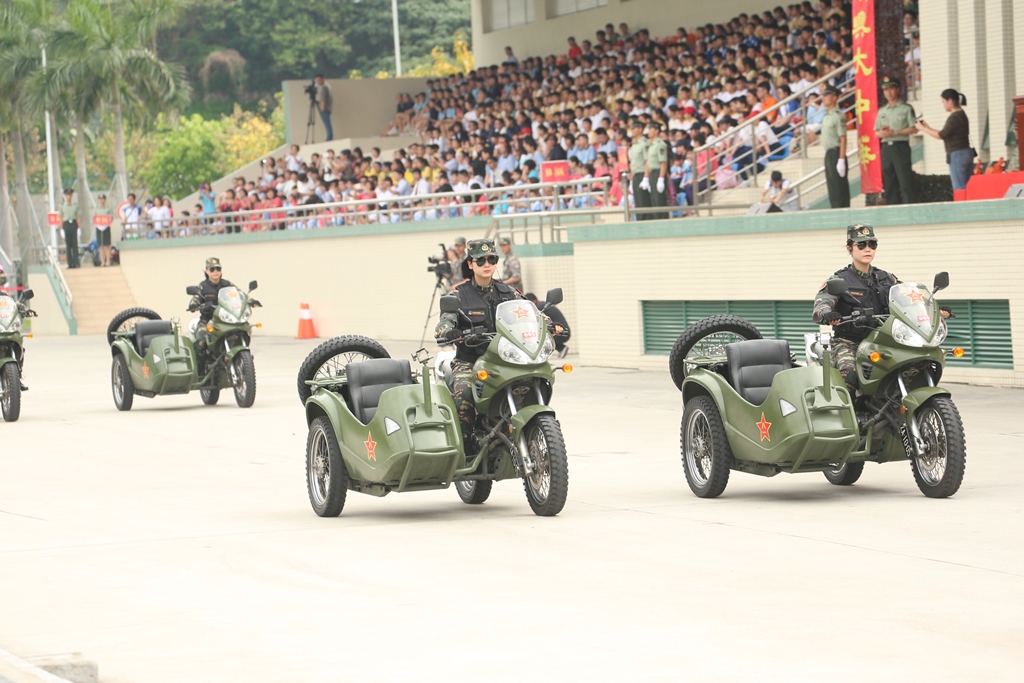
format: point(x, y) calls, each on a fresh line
point(99, 294)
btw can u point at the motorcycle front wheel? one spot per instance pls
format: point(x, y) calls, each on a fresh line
point(243, 379)
point(940, 471)
point(10, 399)
point(474, 492)
point(547, 486)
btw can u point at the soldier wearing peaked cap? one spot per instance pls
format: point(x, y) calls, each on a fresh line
point(833, 141)
point(895, 124)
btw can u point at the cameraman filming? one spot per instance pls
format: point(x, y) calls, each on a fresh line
point(441, 266)
point(324, 102)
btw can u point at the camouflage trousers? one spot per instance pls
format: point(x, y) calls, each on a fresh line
point(462, 392)
point(844, 357)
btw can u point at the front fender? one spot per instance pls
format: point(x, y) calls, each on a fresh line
point(702, 382)
point(523, 417)
point(916, 398)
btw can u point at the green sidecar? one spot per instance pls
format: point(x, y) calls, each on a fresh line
point(376, 426)
point(749, 407)
point(151, 357)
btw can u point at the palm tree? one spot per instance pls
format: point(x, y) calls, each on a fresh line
point(102, 49)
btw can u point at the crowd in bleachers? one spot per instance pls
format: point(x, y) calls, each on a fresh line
point(493, 128)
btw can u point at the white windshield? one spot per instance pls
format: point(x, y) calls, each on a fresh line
point(233, 300)
point(914, 303)
point(8, 312)
point(520, 320)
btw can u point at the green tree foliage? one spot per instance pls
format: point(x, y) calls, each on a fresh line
point(283, 40)
point(186, 155)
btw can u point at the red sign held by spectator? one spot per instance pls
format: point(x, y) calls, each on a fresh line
point(554, 171)
point(101, 220)
point(53, 219)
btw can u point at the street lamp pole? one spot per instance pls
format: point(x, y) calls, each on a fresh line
point(49, 167)
point(398, 48)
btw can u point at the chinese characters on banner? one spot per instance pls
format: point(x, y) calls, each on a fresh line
point(867, 95)
point(554, 171)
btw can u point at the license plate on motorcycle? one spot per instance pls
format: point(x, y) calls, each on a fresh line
point(905, 434)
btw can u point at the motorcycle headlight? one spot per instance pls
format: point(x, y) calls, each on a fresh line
point(245, 314)
point(510, 353)
point(903, 334)
point(546, 350)
point(940, 336)
point(227, 316)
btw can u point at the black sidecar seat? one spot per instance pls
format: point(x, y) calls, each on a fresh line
point(148, 330)
point(753, 365)
point(368, 379)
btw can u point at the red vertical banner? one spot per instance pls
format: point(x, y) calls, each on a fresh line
point(866, 71)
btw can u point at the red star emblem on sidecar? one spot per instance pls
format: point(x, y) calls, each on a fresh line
point(521, 313)
point(915, 297)
point(145, 371)
point(764, 425)
point(371, 445)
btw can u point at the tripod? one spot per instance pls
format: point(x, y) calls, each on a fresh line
point(438, 287)
point(311, 120)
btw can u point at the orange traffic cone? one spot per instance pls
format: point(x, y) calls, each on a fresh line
point(306, 330)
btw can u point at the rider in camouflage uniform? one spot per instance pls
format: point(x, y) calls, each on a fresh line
point(868, 289)
point(479, 296)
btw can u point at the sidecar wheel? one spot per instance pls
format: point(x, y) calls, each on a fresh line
point(121, 383)
point(243, 376)
point(326, 474)
point(330, 358)
point(126, 319)
point(548, 486)
point(10, 400)
point(707, 456)
point(474, 492)
point(940, 471)
point(845, 475)
point(705, 340)
point(209, 396)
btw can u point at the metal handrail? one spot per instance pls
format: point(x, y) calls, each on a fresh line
point(706, 174)
point(567, 196)
point(45, 254)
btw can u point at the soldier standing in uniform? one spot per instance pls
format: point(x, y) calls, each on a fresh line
point(638, 167)
point(868, 289)
point(69, 219)
point(656, 169)
point(512, 271)
point(457, 277)
point(895, 124)
point(833, 141)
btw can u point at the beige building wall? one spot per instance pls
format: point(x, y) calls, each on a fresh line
point(362, 108)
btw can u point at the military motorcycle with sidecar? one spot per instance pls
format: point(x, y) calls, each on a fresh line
point(376, 426)
point(151, 357)
point(749, 407)
point(12, 353)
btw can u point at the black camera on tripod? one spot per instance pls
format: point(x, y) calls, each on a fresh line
point(311, 90)
point(440, 265)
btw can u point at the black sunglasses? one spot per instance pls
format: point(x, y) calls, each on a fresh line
point(492, 259)
point(215, 269)
point(872, 244)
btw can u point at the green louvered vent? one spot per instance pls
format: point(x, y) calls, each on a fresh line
point(981, 327)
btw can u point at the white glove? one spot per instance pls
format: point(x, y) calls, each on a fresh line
point(645, 184)
point(661, 184)
point(841, 167)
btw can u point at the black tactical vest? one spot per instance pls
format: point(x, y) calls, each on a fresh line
point(872, 293)
point(480, 313)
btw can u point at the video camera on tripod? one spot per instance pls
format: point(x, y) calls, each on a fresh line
point(440, 265)
point(311, 90)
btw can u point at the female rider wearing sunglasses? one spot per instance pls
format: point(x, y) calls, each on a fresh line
point(868, 289)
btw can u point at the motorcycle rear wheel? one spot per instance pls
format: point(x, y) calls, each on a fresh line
point(845, 475)
point(209, 396)
point(126, 319)
point(243, 375)
point(326, 474)
point(474, 492)
point(708, 338)
point(940, 471)
point(330, 358)
point(548, 486)
point(10, 401)
point(121, 383)
point(706, 454)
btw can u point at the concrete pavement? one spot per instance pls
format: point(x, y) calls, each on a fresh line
point(176, 542)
